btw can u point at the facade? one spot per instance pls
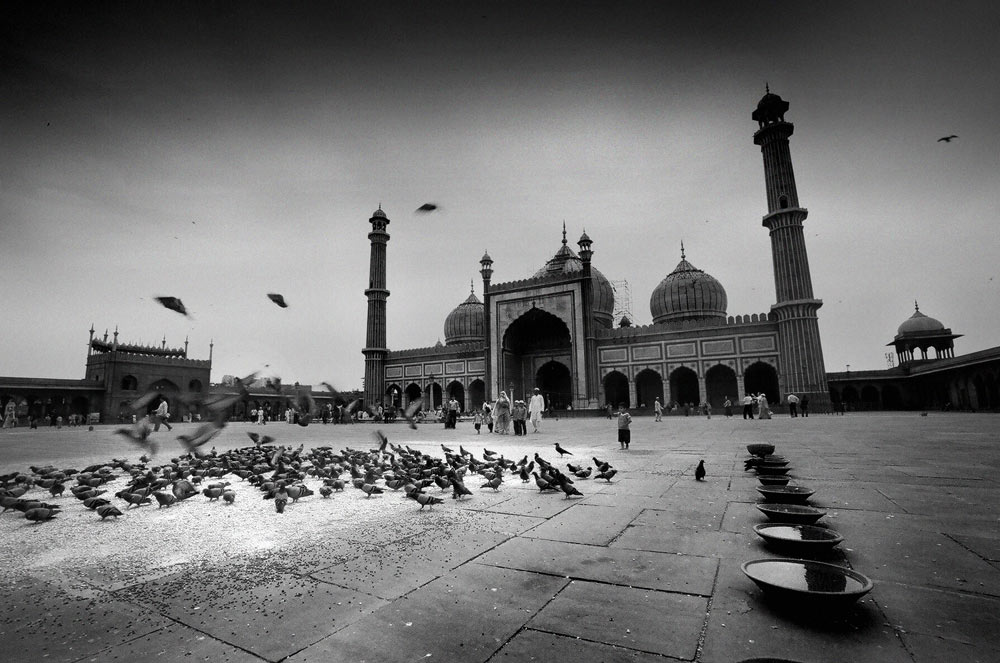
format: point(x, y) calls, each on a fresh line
point(920, 381)
point(556, 330)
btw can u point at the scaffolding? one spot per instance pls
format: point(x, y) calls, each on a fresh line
point(623, 301)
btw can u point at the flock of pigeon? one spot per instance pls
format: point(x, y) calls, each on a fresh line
point(283, 475)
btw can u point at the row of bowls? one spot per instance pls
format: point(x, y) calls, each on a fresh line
point(822, 586)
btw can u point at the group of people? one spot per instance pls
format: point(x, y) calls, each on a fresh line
point(503, 413)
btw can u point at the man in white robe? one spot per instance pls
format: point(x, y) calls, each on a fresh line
point(535, 408)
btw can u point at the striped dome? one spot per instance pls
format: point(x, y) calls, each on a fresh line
point(466, 324)
point(687, 293)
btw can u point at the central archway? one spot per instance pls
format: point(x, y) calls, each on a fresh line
point(537, 337)
point(554, 381)
point(720, 384)
point(648, 387)
point(684, 386)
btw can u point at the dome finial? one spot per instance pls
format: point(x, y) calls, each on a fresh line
point(564, 232)
point(915, 307)
point(682, 250)
point(767, 88)
point(472, 286)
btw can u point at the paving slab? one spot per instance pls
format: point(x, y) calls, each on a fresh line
point(987, 547)
point(640, 619)
point(531, 645)
point(465, 616)
point(593, 525)
point(630, 568)
point(745, 624)
point(958, 617)
point(691, 511)
point(175, 644)
point(271, 617)
point(41, 620)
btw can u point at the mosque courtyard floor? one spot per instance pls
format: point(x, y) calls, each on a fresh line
point(646, 567)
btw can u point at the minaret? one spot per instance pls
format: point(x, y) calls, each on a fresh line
point(486, 263)
point(801, 369)
point(590, 341)
point(375, 350)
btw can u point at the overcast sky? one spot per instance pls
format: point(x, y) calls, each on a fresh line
point(220, 151)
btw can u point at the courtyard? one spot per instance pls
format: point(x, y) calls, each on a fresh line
point(645, 567)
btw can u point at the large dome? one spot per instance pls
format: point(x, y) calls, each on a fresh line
point(687, 293)
point(567, 262)
point(465, 324)
point(918, 323)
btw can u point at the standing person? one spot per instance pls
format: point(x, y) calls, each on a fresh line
point(658, 409)
point(804, 405)
point(162, 415)
point(765, 411)
point(624, 421)
point(535, 408)
point(748, 407)
point(477, 421)
point(729, 407)
point(488, 416)
point(8, 414)
point(793, 404)
point(502, 416)
point(706, 409)
point(519, 415)
point(260, 416)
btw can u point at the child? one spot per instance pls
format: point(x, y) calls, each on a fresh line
point(477, 421)
point(624, 419)
point(488, 416)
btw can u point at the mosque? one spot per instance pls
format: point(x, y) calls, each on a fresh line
point(556, 330)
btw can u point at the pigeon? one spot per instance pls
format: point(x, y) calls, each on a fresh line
point(569, 489)
point(260, 440)
point(411, 411)
point(383, 441)
point(277, 299)
point(459, 490)
point(40, 514)
point(946, 139)
point(584, 474)
point(427, 207)
point(425, 500)
point(201, 435)
point(699, 472)
point(108, 510)
point(562, 451)
point(370, 489)
point(174, 304)
point(493, 483)
point(139, 434)
point(325, 491)
point(229, 496)
point(607, 474)
point(164, 499)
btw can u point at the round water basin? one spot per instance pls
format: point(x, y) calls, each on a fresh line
point(760, 449)
point(771, 469)
point(804, 582)
point(800, 539)
point(797, 514)
point(773, 479)
point(786, 494)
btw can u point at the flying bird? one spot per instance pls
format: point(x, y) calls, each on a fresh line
point(699, 472)
point(277, 299)
point(946, 139)
point(174, 304)
point(411, 411)
point(427, 207)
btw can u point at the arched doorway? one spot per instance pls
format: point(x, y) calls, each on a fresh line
point(684, 386)
point(891, 398)
point(533, 338)
point(477, 394)
point(616, 389)
point(648, 387)
point(869, 398)
point(393, 396)
point(554, 381)
point(413, 393)
point(761, 377)
point(720, 384)
point(850, 397)
point(457, 391)
point(432, 397)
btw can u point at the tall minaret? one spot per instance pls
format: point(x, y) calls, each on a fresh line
point(375, 350)
point(802, 370)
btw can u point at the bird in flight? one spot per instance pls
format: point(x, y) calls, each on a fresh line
point(174, 304)
point(946, 139)
point(277, 299)
point(427, 207)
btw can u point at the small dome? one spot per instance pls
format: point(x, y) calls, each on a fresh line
point(379, 214)
point(565, 261)
point(486, 258)
point(687, 293)
point(770, 108)
point(918, 323)
point(466, 323)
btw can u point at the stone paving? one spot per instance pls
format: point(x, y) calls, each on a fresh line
point(645, 568)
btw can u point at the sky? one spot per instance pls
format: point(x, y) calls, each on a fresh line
point(219, 151)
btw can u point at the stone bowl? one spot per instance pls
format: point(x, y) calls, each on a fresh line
point(803, 540)
point(808, 584)
point(773, 479)
point(760, 449)
point(771, 469)
point(797, 514)
point(771, 461)
point(786, 494)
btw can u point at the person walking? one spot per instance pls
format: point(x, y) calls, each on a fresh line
point(502, 410)
point(488, 416)
point(762, 406)
point(535, 408)
point(162, 415)
point(658, 409)
point(728, 405)
point(793, 404)
point(748, 407)
point(477, 421)
point(624, 421)
point(706, 409)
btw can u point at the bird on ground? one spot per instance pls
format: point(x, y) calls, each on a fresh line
point(108, 510)
point(601, 465)
point(164, 499)
point(569, 489)
point(56, 489)
point(493, 483)
point(584, 474)
point(947, 139)
point(459, 489)
point(370, 489)
point(228, 495)
point(699, 472)
point(425, 500)
point(94, 503)
point(174, 304)
point(562, 451)
point(212, 493)
point(40, 514)
point(607, 474)
point(325, 491)
point(427, 207)
point(277, 299)
point(279, 504)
